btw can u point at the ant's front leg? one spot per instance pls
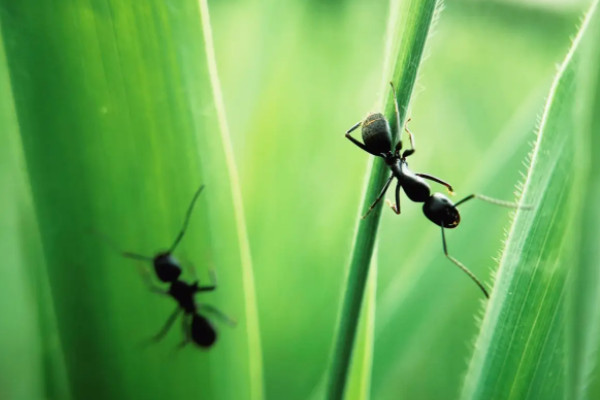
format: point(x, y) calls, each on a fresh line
point(356, 142)
point(148, 281)
point(412, 149)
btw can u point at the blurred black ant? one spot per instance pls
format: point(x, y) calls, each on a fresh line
point(197, 328)
point(437, 208)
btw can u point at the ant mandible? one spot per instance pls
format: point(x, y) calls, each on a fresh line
point(437, 207)
point(197, 328)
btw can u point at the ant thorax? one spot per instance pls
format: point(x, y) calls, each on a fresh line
point(397, 165)
point(183, 293)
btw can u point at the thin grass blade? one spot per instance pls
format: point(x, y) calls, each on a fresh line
point(410, 21)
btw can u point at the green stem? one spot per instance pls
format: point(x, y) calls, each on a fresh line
point(410, 21)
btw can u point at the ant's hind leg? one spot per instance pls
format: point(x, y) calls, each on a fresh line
point(229, 321)
point(378, 199)
point(461, 266)
point(187, 329)
point(167, 326)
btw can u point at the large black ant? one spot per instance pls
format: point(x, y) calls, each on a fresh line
point(197, 328)
point(437, 208)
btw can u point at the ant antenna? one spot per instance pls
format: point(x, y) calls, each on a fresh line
point(410, 151)
point(461, 266)
point(116, 248)
point(186, 221)
point(410, 138)
point(397, 109)
point(491, 200)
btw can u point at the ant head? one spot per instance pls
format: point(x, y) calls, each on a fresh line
point(166, 267)
point(376, 133)
point(202, 332)
point(441, 211)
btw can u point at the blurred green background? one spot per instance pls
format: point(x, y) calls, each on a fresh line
point(295, 75)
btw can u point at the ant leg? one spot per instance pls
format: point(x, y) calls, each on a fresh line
point(396, 207)
point(218, 313)
point(438, 180)
point(354, 127)
point(356, 142)
point(491, 200)
point(213, 280)
point(412, 150)
point(385, 188)
point(461, 266)
point(189, 267)
point(113, 245)
point(185, 326)
point(148, 281)
point(186, 221)
point(167, 326)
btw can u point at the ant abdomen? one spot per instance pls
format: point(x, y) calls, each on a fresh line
point(202, 331)
point(376, 133)
point(166, 267)
point(441, 211)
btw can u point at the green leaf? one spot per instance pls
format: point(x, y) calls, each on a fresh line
point(585, 323)
point(523, 350)
point(29, 342)
point(119, 127)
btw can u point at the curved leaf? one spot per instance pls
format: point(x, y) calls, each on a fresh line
point(522, 350)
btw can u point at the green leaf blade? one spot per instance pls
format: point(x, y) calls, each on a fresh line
point(522, 350)
point(117, 116)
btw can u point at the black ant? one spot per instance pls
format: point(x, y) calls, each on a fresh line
point(197, 328)
point(437, 208)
